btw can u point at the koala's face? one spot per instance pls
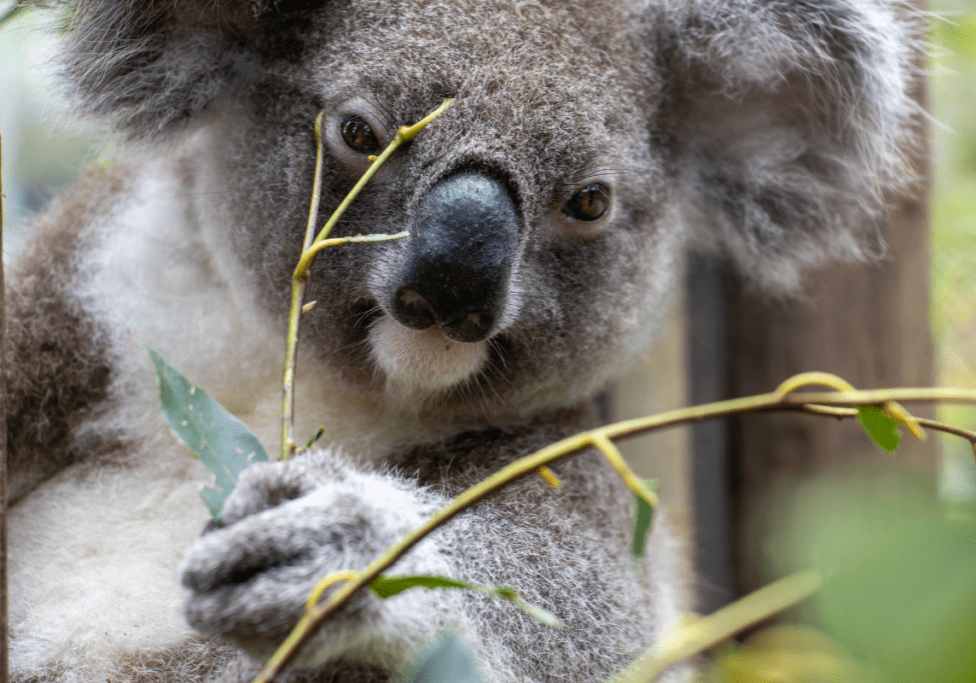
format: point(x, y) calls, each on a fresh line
point(540, 244)
point(543, 209)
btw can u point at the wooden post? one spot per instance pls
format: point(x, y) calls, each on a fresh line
point(868, 324)
point(710, 473)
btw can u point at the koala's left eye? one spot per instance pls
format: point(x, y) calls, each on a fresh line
point(359, 136)
point(588, 204)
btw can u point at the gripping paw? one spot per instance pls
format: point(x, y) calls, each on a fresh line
point(286, 526)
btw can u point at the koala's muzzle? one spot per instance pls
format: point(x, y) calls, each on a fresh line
point(459, 259)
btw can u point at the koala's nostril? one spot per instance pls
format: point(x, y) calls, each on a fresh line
point(412, 310)
point(472, 327)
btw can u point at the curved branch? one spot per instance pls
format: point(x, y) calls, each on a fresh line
point(776, 400)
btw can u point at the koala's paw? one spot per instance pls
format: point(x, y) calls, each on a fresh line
point(286, 526)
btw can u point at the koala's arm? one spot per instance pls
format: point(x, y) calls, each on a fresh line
point(58, 366)
point(566, 550)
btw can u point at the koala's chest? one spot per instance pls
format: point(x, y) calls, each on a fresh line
point(93, 561)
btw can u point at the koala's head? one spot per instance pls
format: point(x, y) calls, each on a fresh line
point(547, 208)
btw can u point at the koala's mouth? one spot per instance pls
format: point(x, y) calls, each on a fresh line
point(418, 363)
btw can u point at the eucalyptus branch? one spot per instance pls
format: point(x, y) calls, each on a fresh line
point(784, 398)
point(312, 246)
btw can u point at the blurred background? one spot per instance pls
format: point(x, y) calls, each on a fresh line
point(930, 335)
point(952, 311)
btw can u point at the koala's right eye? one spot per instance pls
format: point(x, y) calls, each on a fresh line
point(358, 135)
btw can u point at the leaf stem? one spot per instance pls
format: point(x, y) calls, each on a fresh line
point(842, 412)
point(616, 459)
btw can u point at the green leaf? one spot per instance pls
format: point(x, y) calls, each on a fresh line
point(223, 443)
point(881, 428)
point(315, 437)
point(643, 516)
point(540, 614)
point(388, 586)
point(449, 661)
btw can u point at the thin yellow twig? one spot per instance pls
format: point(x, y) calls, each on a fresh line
point(404, 134)
point(325, 583)
point(298, 286)
point(806, 379)
point(892, 409)
point(311, 252)
point(311, 247)
point(879, 396)
point(764, 402)
point(550, 477)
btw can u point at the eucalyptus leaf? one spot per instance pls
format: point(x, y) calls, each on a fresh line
point(643, 516)
point(388, 586)
point(540, 614)
point(223, 443)
point(449, 661)
point(882, 429)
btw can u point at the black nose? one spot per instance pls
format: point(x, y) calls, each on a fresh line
point(459, 259)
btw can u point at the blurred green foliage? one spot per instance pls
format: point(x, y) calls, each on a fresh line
point(899, 567)
point(953, 91)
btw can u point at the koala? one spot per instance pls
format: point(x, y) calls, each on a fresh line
point(547, 211)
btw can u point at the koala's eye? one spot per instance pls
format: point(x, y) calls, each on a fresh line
point(588, 204)
point(358, 135)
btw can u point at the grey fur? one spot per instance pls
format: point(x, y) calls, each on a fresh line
point(772, 129)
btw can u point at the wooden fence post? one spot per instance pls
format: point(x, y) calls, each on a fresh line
point(866, 323)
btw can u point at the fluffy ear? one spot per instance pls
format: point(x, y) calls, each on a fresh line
point(790, 120)
point(150, 65)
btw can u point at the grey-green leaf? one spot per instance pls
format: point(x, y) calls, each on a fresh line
point(223, 443)
point(643, 516)
point(388, 586)
point(881, 428)
point(449, 661)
